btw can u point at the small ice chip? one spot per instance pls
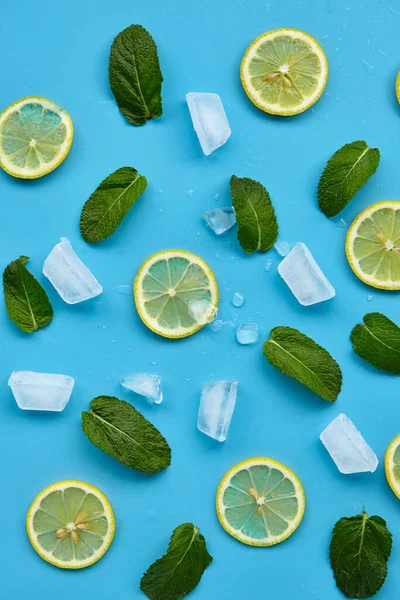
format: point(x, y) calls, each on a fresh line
point(217, 325)
point(220, 219)
point(237, 300)
point(41, 391)
point(341, 223)
point(189, 193)
point(347, 447)
point(268, 265)
point(370, 297)
point(146, 385)
point(282, 248)
point(71, 278)
point(209, 120)
point(124, 290)
point(304, 277)
point(217, 404)
point(247, 334)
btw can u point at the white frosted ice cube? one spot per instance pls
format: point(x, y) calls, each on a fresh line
point(304, 277)
point(237, 300)
point(220, 219)
point(247, 333)
point(217, 404)
point(347, 447)
point(41, 391)
point(71, 278)
point(144, 384)
point(209, 120)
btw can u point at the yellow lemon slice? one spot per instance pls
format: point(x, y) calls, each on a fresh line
point(392, 465)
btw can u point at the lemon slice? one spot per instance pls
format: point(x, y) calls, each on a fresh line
point(175, 293)
point(284, 71)
point(373, 245)
point(260, 502)
point(392, 465)
point(70, 524)
point(35, 137)
point(398, 87)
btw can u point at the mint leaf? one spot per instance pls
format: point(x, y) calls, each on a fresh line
point(27, 303)
point(118, 429)
point(378, 342)
point(135, 75)
point(298, 356)
point(345, 173)
point(110, 203)
point(359, 551)
point(258, 228)
point(177, 573)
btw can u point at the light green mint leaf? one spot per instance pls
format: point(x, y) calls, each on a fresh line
point(27, 303)
point(345, 173)
point(258, 228)
point(118, 429)
point(378, 342)
point(298, 356)
point(110, 203)
point(359, 551)
point(177, 573)
point(135, 75)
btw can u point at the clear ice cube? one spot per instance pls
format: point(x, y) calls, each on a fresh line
point(304, 277)
point(217, 404)
point(347, 447)
point(41, 391)
point(237, 300)
point(209, 120)
point(268, 265)
point(282, 248)
point(201, 310)
point(71, 278)
point(146, 385)
point(247, 334)
point(220, 219)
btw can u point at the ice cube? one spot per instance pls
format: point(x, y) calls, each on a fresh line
point(247, 333)
point(220, 219)
point(209, 120)
point(146, 385)
point(268, 265)
point(237, 300)
point(201, 310)
point(282, 248)
point(347, 447)
point(304, 277)
point(217, 404)
point(71, 278)
point(41, 391)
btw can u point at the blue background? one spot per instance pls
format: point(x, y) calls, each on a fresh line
point(61, 52)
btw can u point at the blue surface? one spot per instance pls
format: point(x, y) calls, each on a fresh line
point(62, 54)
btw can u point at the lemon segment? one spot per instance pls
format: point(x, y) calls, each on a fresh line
point(392, 465)
point(373, 245)
point(175, 293)
point(260, 502)
point(284, 71)
point(70, 524)
point(35, 137)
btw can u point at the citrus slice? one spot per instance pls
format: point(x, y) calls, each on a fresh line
point(373, 245)
point(284, 71)
point(175, 293)
point(70, 524)
point(35, 137)
point(392, 465)
point(260, 502)
point(398, 87)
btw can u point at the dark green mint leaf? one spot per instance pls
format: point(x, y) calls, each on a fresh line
point(118, 429)
point(298, 356)
point(258, 228)
point(177, 573)
point(135, 75)
point(110, 203)
point(360, 549)
point(378, 342)
point(345, 173)
point(27, 303)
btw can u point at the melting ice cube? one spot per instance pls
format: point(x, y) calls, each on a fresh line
point(71, 278)
point(237, 300)
point(217, 404)
point(282, 248)
point(347, 447)
point(220, 219)
point(247, 333)
point(41, 391)
point(209, 120)
point(304, 277)
point(146, 385)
